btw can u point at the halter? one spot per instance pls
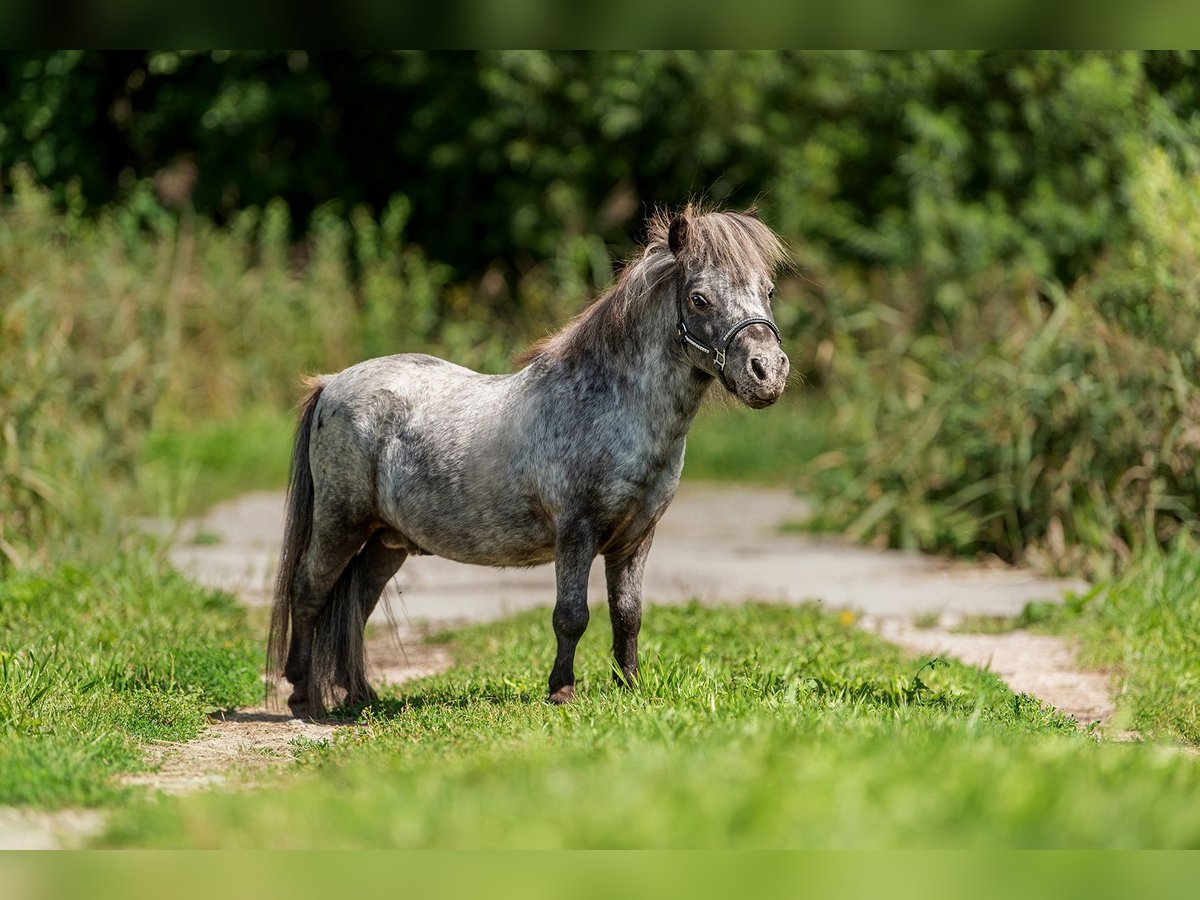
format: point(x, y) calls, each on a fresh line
point(717, 354)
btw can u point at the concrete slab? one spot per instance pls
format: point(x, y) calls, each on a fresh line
point(716, 544)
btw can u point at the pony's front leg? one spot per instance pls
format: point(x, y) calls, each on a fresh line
point(575, 548)
point(623, 572)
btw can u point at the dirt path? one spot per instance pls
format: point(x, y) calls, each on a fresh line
point(718, 544)
point(33, 829)
point(1041, 665)
point(240, 748)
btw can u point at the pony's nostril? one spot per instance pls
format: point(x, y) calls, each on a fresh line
point(759, 370)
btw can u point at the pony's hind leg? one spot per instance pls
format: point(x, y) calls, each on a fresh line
point(623, 571)
point(382, 558)
point(330, 550)
point(379, 560)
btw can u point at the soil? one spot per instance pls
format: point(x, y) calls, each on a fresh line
point(238, 748)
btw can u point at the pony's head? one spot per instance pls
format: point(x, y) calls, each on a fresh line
point(725, 282)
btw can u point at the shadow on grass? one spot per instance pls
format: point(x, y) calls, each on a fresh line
point(437, 698)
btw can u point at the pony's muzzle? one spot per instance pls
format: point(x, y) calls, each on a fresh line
point(765, 377)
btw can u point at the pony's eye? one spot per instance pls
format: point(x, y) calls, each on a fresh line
point(699, 301)
point(770, 293)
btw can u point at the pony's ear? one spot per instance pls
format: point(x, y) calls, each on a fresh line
point(752, 212)
point(677, 233)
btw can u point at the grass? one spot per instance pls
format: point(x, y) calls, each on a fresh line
point(759, 726)
point(734, 443)
point(98, 659)
point(1143, 625)
point(188, 466)
point(1037, 615)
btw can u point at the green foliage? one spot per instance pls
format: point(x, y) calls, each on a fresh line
point(136, 323)
point(1050, 426)
point(79, 371)
point(187, 467)
point(1144, 626)
point(729, 442)
point(949, 162)
point(998, 262)
point(98, 659)
point(759, 726)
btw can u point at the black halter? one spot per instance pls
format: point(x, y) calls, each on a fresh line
point(717, 354)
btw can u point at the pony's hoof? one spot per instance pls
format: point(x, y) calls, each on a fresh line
point(564, 694)
point(625, 677)
point(300, 707)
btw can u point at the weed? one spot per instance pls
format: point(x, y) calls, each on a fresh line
point(1143, 625)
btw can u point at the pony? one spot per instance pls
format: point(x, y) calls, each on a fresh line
point(574, 456)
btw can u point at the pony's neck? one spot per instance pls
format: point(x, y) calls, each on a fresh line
point(653, 374)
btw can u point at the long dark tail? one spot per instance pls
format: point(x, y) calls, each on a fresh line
point(338, 652)
point(339, 658)
point(297, 529)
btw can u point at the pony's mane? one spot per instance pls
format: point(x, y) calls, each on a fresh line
point(738, 243)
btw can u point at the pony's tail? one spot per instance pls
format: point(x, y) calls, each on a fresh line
point(339, 659)
point(297, 529)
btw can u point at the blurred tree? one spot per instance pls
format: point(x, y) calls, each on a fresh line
point(946, 163)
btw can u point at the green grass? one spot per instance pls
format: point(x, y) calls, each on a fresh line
point(96, 660)
point(188, 466)
point(1037, 615)
point(775, 445)
point(1141, 626)
point(1144, 625)
point(759, 726)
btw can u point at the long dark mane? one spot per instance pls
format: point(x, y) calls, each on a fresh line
point(738, 243)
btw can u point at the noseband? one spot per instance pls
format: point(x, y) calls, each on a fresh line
point(717, 354)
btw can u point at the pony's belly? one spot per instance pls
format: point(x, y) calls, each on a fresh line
point(493, 544)
point(502, 557)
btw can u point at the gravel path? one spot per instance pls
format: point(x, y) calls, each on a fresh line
point(1041, 665)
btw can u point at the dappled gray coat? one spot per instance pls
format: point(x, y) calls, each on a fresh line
point(576, 455)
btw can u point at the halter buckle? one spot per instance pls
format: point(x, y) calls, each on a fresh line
point(718, 353)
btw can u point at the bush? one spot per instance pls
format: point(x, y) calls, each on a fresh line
point(1061, 429)
point(952, 161)
point(141, 320)
point(999, 257)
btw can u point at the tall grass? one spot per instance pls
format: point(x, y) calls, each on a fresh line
point(81, 370)
point(146, 320)
point(1058, 427)
point(1143, 626)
